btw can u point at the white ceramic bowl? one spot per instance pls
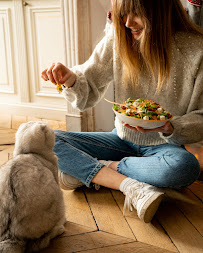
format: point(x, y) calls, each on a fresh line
point(147, 124)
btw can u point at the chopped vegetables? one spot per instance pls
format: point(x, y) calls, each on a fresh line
point(59, 88)
point(142, 109)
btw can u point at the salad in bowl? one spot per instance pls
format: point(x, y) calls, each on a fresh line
point(142, 112)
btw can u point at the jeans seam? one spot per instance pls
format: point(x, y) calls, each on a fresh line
point(93, 173)
point(75, 139)
point(118, 166)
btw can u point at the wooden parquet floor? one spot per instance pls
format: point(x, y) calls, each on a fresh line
point(95, 222)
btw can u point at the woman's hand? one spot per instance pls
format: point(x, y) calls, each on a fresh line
point(167, 129)
point(59, 74)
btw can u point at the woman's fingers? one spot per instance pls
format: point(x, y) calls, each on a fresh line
point(137, 128)
point(167, 129)
point(59, 74)
point(130, 127)
point(50, 74)
point(142, 130)
point(44, 75)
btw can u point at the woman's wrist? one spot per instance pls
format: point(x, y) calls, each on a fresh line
point(167, 134)
point(71, 81)
point(169, 129)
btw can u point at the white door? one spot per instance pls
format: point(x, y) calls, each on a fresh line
point(8, 59)
point(31, 38)
point(45, 45)
point(33, 34)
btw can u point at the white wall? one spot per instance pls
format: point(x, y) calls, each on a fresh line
point(104, 117)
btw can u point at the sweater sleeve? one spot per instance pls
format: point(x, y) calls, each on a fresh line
point(189, 127)
point(93, 77)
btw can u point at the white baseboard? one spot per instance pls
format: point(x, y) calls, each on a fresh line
point(34, 111)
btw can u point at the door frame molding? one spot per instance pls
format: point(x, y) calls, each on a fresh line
point(76, 23)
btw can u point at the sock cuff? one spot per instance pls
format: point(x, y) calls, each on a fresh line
point(127, 182)
point(106, 163)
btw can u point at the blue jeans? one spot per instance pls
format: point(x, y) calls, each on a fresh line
point(162, 165)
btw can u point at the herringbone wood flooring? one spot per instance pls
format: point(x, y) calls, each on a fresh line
point(95, 222)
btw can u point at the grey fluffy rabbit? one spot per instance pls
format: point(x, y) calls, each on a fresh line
point(32, 209)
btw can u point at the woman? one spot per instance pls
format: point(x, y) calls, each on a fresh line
point(151, 51)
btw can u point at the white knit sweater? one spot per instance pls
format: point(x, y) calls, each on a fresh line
point(183, 97)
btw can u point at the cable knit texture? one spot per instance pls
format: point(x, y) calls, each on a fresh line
point(183, 97)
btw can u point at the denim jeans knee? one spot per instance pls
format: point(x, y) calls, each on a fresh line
point(186, 169)
point(162, 166)
point(182, 169)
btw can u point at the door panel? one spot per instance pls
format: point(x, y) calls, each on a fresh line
point(45, 43)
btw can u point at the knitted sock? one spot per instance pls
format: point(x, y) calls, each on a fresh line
point(106, 163)
point(126, 183)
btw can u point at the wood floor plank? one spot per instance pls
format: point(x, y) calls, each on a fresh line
point(5, 155)
point(108, 216)
point(183, 234)
point(7, 136)
point(3, 147)
point(75, 229)
point(77, 208)
point(190, 205)
point(197, 189)
point(85, 241)
point(120, 198)
point(7, 130)
point(181, 217)
point(150, 233)
point(135, 247)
